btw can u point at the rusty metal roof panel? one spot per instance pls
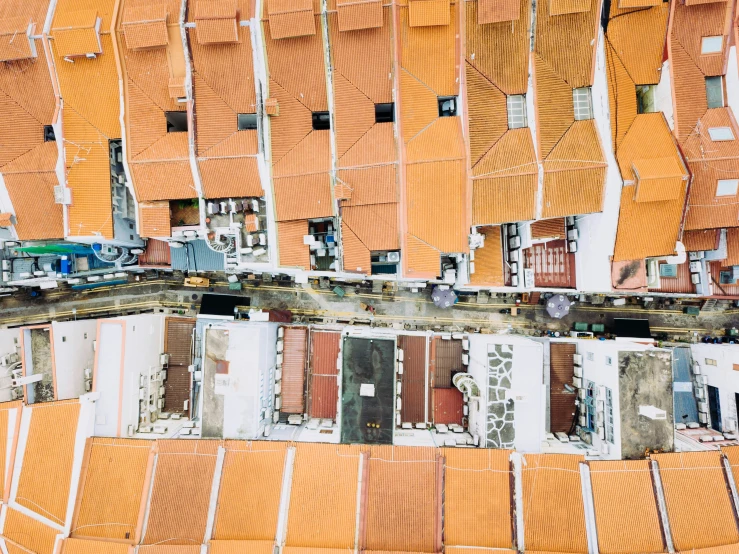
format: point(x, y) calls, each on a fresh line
point(293, 370)
point(448, 359)
point(324, 384)
point(561, 371)
point(413, 390)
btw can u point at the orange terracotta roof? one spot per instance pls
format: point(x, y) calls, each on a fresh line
point(112, 488)
point(15, 39)
point(623, 497)
point(293, 251)
point(477, 496)
point(356, 15)
point(376, 184)
point(554, 516)
point(239, 547)
point(732, 245)
point(659, 178)
point(574, 64)
point(178, 509)
point(303, 197)
point(701, 240)
point(50, 452)
point(621, 96)
point(489, 260)
point(490, 11)
point(145, 26)
point(6, 219)
point(291, 18)
point(488, 115)
point(689, 91)
point(428, 13)
point(28, 533)
point(375, 225)
point(249, 495)
point(30, 181)
point(154, 219)
point(548, 229)
point(698, 504)
point(22, 133)
point(505, 181)
point(555, 114)
point(710, 161)
point(77, 33)
point(7, 430)
point(86, 546)
point(216, 22)
point(638, 40)
point(691, 23)
point(323, 498)
point(170, 549)
point(408, 479)
point(357, 257)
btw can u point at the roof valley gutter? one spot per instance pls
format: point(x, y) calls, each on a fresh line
point(517, 460)
point(147, 493)
point(214, 490)
point(287, 483)
point(588, 505)
point(358, 507)
point(732, 486)
point(662, 506)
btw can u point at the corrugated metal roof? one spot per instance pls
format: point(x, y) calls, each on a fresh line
point(324, 384)
point(413, 391)
point(111, 489)
point(156, 254)
point(548, 229)
point(178, 340)
point(680, 284)
point(196, 256)
point(448, 359)
point(553, 266)
point(323, 499)
point(561, 371)
point(249, 495)
point(624, 498)
point(553, 511)
point(477, 488)
point(708, 239)
point(698, 504)
point(448, 406)
point(293, 370)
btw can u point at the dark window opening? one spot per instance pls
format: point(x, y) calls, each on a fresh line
point(715, 92)
point(176, 122)
point(49, 135)
point(247, 121)
point(321, 121)
point(385, 113)
point(447, 106)
point(645, 98)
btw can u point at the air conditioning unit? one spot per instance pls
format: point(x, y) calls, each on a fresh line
point(465, 359)
point(572, 234)
point(142, 393)
point(582, 394)
point(703, 417)
point(703, 407)
point(162, 390)
point(278, 402)
point(398, 387)
point(398, 404)
point(696, 369)
point(577, 359)
point(163, 375)
point(572, 246)
point(400, 355)
point(88, 385)
point(514, 268)
point(278, 387)
point(393, 257)
point(578, 371)
point(695, 267)
point(400, 368)
point(514, 280)
point(699, 393)
point(583, 421)
point(514, 242)
point(279, 358)
point(695, 278)
point(131, 430)
point(577, 381)
point(160, 403)
point(280, 345)
point(695, 256)
point(513, 256)
point(164, 359)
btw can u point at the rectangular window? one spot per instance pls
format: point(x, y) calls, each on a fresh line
point(49, 135)
point(590, 356)
point(645, 99)
point(609, 416)
point(590, 406)
point(447, 106)
point(582, 100)
point(385, 113)
point(247, 121)
point(727, 187)
point(176, 122)
point(710, 361)
point(720, 133)
point(516, 111)
point(712, 45)
point(715, 92)
point(321, 121)
point(609, 360)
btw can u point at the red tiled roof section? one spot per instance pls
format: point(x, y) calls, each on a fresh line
point(548, 229)
point(623, 495)
point(488, 115)
point(293, 370)
point(489, 260)
point(154, 219)
point(50, 452)
point(112, 488)
point(554, 516)
point(409, 479)
point(76, 33)
point(179, 503)
point(555, 112)
point(357, 256)
point(621, 97)
point(698, 504)
point(477, 488)
point(291, 18)
point(293, 251)
point(707, 239)
point(324, 482)
point(448, 406)
point(691, 23)
point(145, 26)
point(249, 495)
point(15, 38)
point(356, 15)
point(324, 386)
point(216, 22)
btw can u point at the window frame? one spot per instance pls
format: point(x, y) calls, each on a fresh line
point(720, 80)
point(734, 183)
point(717, 131)
point(579, 104)
point(515, 102)
point(711, 39)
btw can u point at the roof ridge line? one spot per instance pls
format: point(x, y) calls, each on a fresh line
point(207, 84)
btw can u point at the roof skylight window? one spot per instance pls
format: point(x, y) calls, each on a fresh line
point(583, 103)
point(516, 105)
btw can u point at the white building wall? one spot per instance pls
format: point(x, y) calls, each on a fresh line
point(107, 377)
point(9, 344)
point(721, 375)
point(73, 353)
point(732, 82)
